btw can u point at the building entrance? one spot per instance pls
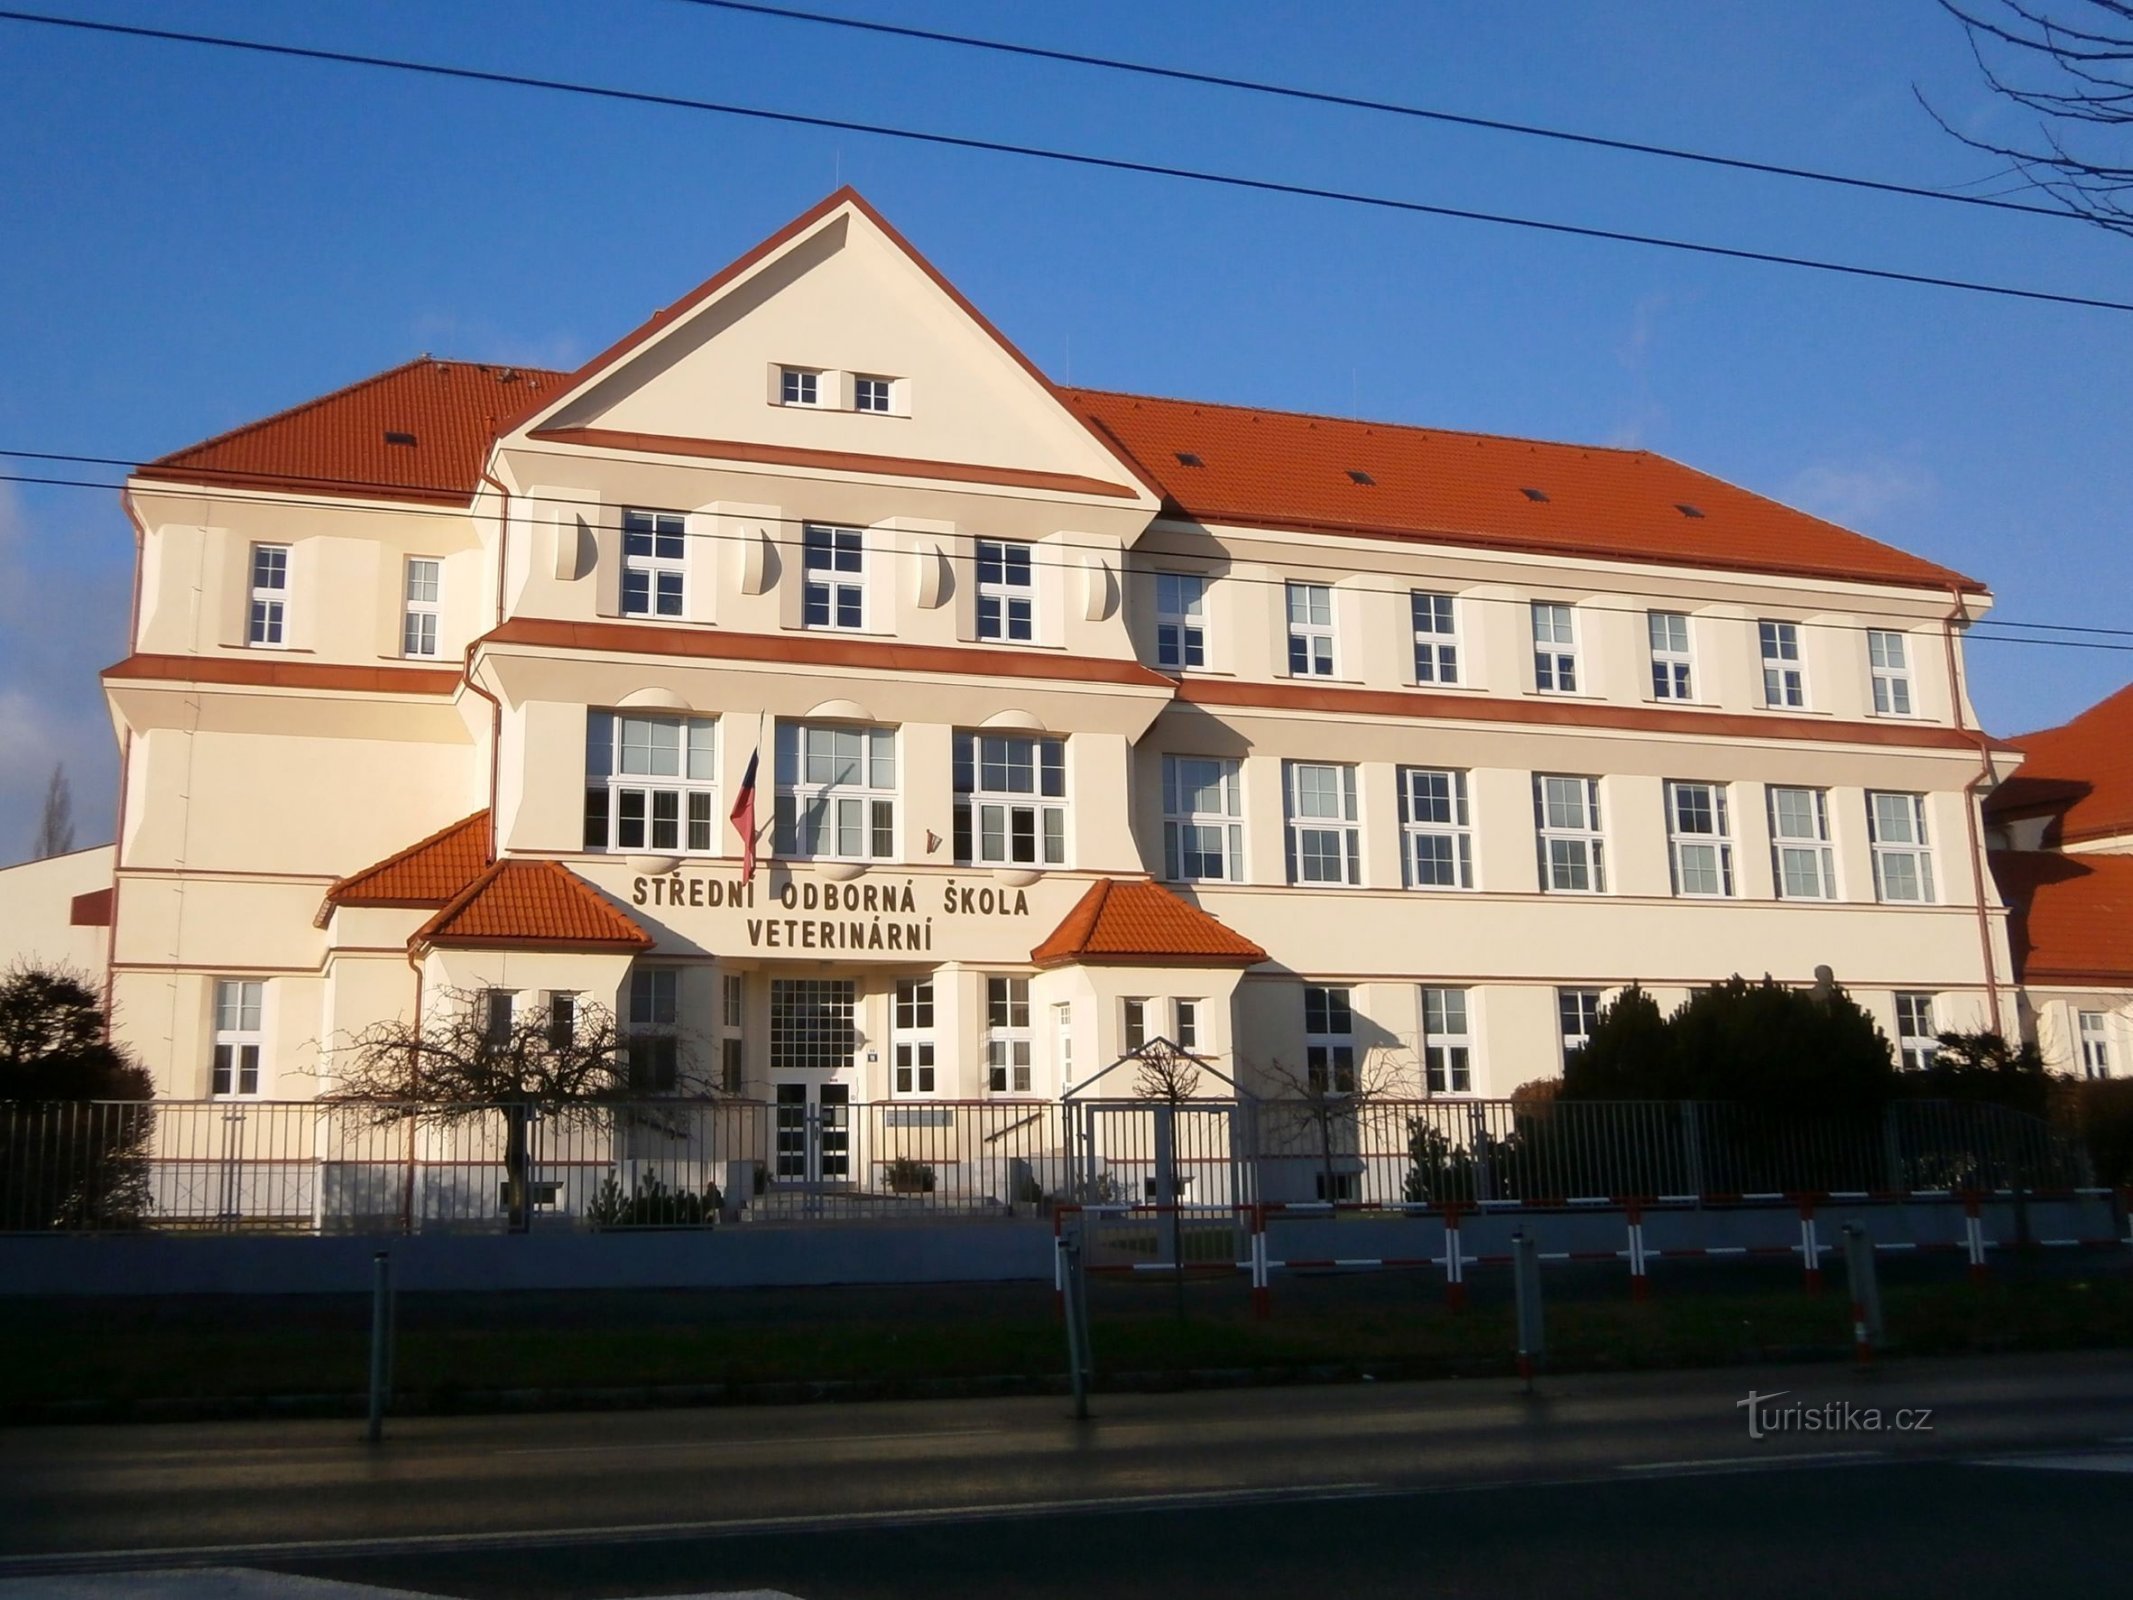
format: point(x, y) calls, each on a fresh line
point(812, 1037)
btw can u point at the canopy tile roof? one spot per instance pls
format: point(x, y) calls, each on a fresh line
point(1127, 922)
point(2081, 771)
point(2071, 920)
point(532, 903)
point(428, 872)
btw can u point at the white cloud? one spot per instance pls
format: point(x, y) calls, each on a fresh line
point(1864, 494)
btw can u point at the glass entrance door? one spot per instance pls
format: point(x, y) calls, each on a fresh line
point(813, 1128)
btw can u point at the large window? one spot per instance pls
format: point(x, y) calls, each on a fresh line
point(1903, 858)
point(1180, 621)
point(2090, 1026)
point(912, 1046)
point(1672, 677)
point(651, 783)
point(654, 561)
point(1436, 637)
point(836, 792)
point(1805, 867)
point(1007, 1040)
point(654, 1030)
point(1438, 846)
point(1203, 834)
point(270, 595)
point(1006, 592)
point(419, 608)
point(1447, 1045)
point(810, 1024)
point(238, 1037)
point(1329, 1040)
point(1577, 1013)
point(1010, 800)
point(1325, 844)
point(1699, 838)
point(1889, 663)
point(1566, 815)
point(1310, 630)
point(834, 591)
point(1555, 649)
point(1784, 679)
point(1917, 1040)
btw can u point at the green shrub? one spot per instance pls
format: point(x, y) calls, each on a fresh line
point(906, 1176)
point(651, 1204)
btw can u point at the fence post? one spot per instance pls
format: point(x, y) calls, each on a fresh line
point(1073, 1273)
point(1262, 1299)
point(1532, 1342)
point(1859, 1272)
point(1892, 1149)
point(1692, 1145)
point(1640, 1283)
point(1974, 1234)
point(1810, 1248)
point(1454, 1261)
point(381, 1339)
point(1166, 1184)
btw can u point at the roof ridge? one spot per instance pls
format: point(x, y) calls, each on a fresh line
point(459, 902)
point(342, 885)
point(170, 458)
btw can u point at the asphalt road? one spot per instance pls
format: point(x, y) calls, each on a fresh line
point(1596, 1485)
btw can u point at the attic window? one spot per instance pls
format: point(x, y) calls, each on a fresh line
point(1686, 509)
point(394, 436)
point(1187, 458)
point(1358, 475)
point(1538, 496)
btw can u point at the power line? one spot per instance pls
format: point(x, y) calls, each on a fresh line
point(1389, 107)
point(1065, 157)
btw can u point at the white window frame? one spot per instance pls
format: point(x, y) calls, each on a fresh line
point(1577, 1013)
point(1310, 612)
point(733, 1032)
point(1309, 789)
point(833, 578)
point(655, 563)
point(565, 1010)
point(1896, 853)
point(1007, 591)
point(1576, 847)
point(801, 386)
point(1181, 621)
point(1699, 836)
point(1673, 661)
point(1435, 618)
point(1186, 829)
point(1555, 647)
point(239, 1041)
point(651, 784)
point(1329, 1038)
point(1888, 664)
point(1784, 665)
point(914, 1050)
point(1010, 800)
point(1447, 1041)
point(876, 396)
point(1063, 1040)
point(1009, 1048)
point(653, 1029)
point(854, 806)
point(499, 1018)
point(2092, 1032)
point(1185, 1014)
point(422, 607)
point(1917, 1039)
point(1433, 808)
point(1806, 849)
point(1133, 1022)
point(267, 619)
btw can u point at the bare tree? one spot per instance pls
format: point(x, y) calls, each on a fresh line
point(55, 828)
point(1329, 1100)
point(2070, 65)
point(475, 1055)
point(1164, 1072)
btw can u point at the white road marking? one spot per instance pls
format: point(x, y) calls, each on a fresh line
point(1804, 1458)
point(2094, 1461)
point(723, 1445)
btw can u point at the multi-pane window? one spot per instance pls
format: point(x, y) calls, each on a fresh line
point(654, 563)
point(870, 394)
point(1325, 844)
point(1010, 800)
point(1566, 817)
point(1329, 1040)
point(1438, 848)
point(1063, 1041)
point(1555, 649)
point(651, 783)
point(270, 595)
point(732, 1046)
point(654, 1025)
point(798, 386)
point(562, 1020)
point(238, 1036)
point(2095, 1043)
point(1006, 592)
point(418, 614)
point(811, 1024)
point(1903, 858)
point(912, 1047)
point(499, 1016)
point(1917, 1040)
point(1134, 1018)
point(1310, 630)
point(836, 792)
point(1784, 680)
point(1436, 637)
point(1804, 865)
point(1007, 1040)
point(1180, 621)
point(1447, 1045)
point(1699, 838)
point(1889, 663)
point(1577, 1013)
point(1185, 1024)
point(1672, 677)
point(833, 594)
point(1203, 834)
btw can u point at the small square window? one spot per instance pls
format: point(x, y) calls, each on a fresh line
point(871, 394)
point(798, 386)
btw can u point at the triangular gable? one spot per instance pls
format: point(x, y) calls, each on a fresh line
point(837, 289)
point(429, 872)
point(531, 904)
point(1137, 923)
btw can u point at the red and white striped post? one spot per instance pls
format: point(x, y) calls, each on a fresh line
point(1810, 1248)
point(1454, 1261)
point(1974, 1234)
point(1262, 1300)
point(1640, 1283)
point(1059, 1260)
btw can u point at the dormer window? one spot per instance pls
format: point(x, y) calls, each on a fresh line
point(871, 394)
point(799, 386)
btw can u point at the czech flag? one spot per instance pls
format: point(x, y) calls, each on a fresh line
point(743, 817)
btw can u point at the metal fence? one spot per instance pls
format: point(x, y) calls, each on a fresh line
point(307, 1167)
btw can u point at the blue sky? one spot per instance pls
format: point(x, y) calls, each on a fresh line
point(197, 238)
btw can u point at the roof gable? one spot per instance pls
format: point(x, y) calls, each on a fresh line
point(531, 903)
point(1131, 922)
point(2081, 770)
point(428, 872)
point(2071, 917)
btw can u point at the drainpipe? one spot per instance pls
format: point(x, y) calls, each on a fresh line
point(118, 826)
point(414, 1074)
point(1959, 613)
point(466, 675)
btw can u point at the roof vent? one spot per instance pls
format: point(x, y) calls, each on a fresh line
point(1187, 458)
point(394, 437)
point(1539, 496)
point(1358, 475)
point(1686, 509)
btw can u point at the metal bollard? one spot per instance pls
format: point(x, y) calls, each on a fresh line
point(381, 1341)
point(1860, 1273)
point(1525, 1274)
point(1074, 1276)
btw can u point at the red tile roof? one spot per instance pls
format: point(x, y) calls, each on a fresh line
point(2072, 917)
point(1284, 469)
point(2081, 770)
point(428, 872)
point(536, 903)
point(1127, 922)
